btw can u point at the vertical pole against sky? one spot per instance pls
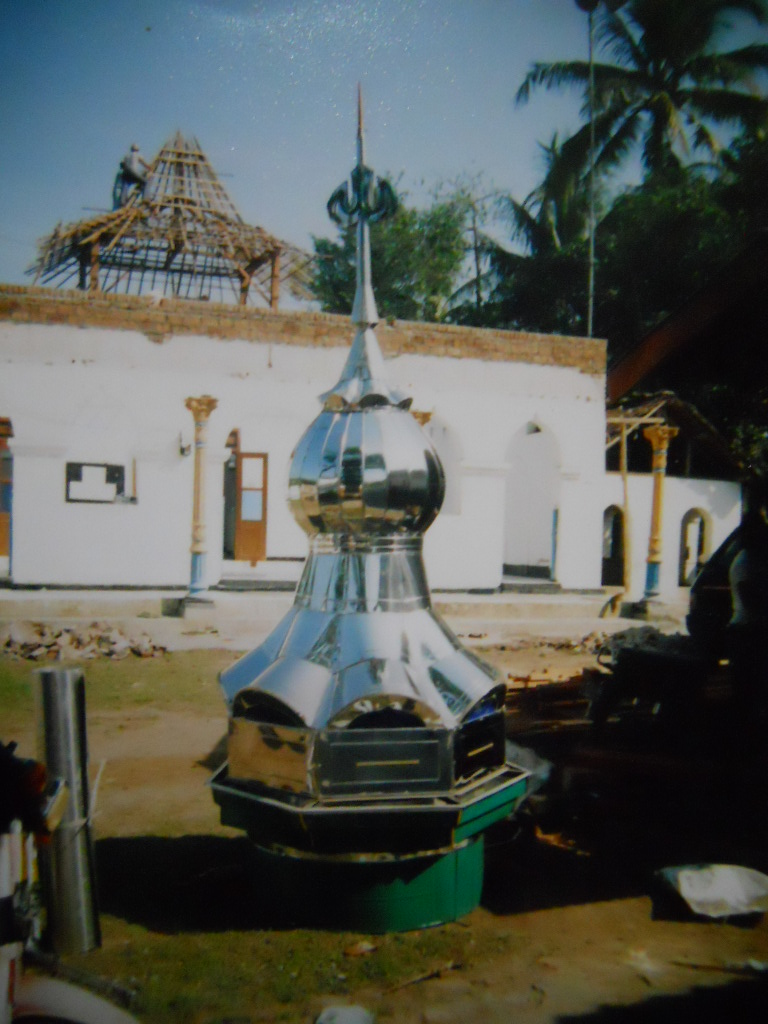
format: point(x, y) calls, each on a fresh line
point(591, 269)
point(590, 6)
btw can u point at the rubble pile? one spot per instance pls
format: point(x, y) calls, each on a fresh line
point(36, 641)
point(604, 648)
point(550, 669)
point(589, 644)
point(647, 638)
point(543, 676)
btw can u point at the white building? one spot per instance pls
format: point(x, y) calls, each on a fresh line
point(92, 399)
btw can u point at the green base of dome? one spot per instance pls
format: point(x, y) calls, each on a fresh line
point(373, 896)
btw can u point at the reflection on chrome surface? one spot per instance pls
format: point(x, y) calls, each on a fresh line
point(362, 689)
point(370, 471)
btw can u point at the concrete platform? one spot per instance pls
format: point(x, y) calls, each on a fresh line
point(239, 620)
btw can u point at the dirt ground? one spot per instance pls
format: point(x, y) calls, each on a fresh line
point(572, 925)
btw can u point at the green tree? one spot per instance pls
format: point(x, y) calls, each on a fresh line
point(478, 200)
point(678, 236)
point(555, 214)
point(542, 288)
point(741, 183)
point(660, 243)
point(544, 293)
point(669, 88)
point(416, 259)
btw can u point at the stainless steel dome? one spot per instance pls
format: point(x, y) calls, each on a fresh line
point(369, 472)
point(362, 650)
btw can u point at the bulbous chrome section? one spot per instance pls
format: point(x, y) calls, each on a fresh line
point(370, 471)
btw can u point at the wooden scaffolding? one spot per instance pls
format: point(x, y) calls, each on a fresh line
point(176, 233)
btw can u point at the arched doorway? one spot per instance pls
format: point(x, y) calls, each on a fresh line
point(531, 503)
point(694, 545)
point(612, 574)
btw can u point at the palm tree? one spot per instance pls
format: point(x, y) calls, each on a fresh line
point(668, 87)
point(555, 214)
point(540, 288)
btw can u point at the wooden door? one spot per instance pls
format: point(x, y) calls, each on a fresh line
point(251, 519)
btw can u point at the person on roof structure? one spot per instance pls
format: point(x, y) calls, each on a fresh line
point(132, 176)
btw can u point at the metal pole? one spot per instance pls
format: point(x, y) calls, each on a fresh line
point(67, 862)
point(591, 268)
point(590, 6)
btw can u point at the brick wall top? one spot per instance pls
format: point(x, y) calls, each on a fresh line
point(161, 319)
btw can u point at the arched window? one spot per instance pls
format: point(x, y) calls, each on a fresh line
point(694, 545)
point(613, 547)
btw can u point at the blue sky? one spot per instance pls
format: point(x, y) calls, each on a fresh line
point(268, 87)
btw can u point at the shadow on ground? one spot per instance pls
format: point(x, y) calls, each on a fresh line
point(602, 839)
point(617, 808)
point(192, 883)
point(742, 1001)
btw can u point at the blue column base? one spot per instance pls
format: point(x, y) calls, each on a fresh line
point(651, 580)
point(197, 574)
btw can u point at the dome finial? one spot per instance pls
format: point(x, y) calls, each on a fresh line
point(360, 136)
point(362, 200)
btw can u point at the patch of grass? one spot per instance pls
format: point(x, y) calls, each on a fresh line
point(180, 917)
point(218, 975)
point(186, 925)
point(16, 697)
point(183, 680)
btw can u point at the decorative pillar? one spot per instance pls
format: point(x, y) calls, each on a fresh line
point(659, 436)
point(201, 408)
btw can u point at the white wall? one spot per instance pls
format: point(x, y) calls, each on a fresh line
point(466, 551)
point(488, 405)
point(721, 502)
point(91, 394)
point(579, 548)
point(57, 542)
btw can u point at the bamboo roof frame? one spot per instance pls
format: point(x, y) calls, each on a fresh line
point(631, 415)
point(181, 235)
point(627, 421)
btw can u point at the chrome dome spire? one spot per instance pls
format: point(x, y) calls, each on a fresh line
point(363, 200)
point(362, 737)
point(364, 467)
point(365, 484)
